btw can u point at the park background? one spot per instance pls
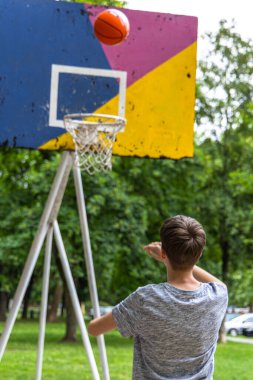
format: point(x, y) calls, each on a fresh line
point(125, 209)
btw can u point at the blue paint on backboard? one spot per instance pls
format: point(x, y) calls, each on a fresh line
point(52, 64)
point(85, 93)
point(28, 51)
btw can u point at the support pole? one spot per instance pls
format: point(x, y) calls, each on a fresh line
point(48, 224)
point(75, 301)
point(50, 211)
point(44, 302)
point(90, 266)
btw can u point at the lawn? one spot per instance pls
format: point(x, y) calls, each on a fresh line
point(68, 361)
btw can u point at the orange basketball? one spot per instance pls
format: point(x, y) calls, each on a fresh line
point(111, 27)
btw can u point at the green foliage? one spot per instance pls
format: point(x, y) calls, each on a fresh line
point(241, 287)
point(126, 207)
point(225, 86)
point(21, 203)
point(224, 107)
point(108, 3)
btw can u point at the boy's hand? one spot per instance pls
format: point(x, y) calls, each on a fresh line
point(155, 250)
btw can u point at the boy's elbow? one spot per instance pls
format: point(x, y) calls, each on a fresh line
point(92, 329)
point(101, 325)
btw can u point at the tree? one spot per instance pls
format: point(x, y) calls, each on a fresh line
point(224, 99)
point(108, 3)
point(126, 207)
point(241, 288)
point(225, 108)
point(21, 201)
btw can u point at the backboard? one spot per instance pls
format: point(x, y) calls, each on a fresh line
point(52, 64)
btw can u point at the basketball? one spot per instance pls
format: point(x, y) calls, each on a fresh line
point(111, 27)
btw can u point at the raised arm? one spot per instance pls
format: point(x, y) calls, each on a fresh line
point(203, 276)
point(154, 250)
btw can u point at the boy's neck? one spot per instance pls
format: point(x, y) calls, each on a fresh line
point(182, 279)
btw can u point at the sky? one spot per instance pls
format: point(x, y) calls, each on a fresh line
point(208, 12)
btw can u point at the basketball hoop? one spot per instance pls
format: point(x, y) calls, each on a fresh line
point(93, 136)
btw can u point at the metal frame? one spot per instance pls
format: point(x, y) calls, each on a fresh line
point(48, 227)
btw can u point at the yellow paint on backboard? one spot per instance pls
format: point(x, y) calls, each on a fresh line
point(159, 112)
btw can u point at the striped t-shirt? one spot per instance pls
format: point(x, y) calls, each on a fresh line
point(175, 331)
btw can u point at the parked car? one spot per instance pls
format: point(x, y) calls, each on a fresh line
point(235, 325)
point(230, 316)
point(248, 327)
point(237, 309)
point(103, 310)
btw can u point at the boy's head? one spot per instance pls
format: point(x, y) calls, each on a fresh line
point(183, 239)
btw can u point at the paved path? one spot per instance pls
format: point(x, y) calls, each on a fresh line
point(240, 340)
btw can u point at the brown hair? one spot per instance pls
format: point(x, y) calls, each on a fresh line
point(183, 239)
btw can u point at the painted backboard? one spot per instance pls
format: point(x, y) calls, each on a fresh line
point(52, 64)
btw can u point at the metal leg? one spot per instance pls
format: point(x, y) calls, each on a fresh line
point(50, 211)
point(44, 302)
point(23, 284)
point(48, 218)
point(90, 266)
point(75, 301)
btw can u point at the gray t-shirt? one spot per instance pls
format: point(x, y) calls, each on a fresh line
point(175, 331)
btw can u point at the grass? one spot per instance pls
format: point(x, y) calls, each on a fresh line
point(68, 361)
point(233, 361)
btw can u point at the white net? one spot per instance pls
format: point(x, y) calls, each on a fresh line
point(93, 136)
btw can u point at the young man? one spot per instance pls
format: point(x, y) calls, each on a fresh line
point(175, 324)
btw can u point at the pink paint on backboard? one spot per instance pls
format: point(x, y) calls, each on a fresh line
point(154, 38)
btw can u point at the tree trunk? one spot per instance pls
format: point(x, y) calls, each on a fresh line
point(3, 305)
point(26, 301)
point(71, 323)
point(225, 267)
point(222, 333)
point(57, 298)
point(225, 260)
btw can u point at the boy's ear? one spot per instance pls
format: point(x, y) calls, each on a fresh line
point(163, 254)
point(199, 256)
